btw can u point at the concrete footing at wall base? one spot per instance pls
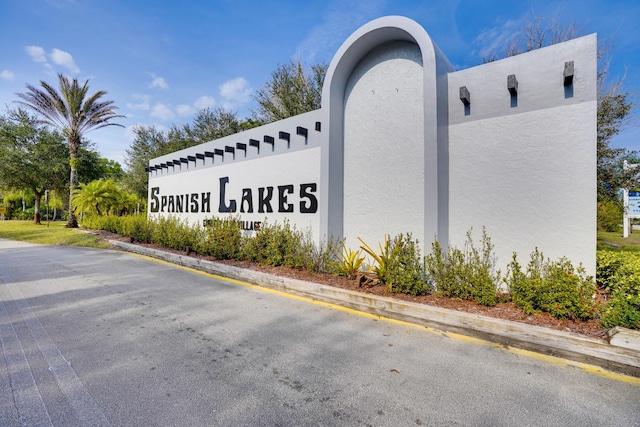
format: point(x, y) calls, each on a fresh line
point(513, 334)
point(623, 337)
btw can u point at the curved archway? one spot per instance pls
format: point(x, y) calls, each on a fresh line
point(383, 42)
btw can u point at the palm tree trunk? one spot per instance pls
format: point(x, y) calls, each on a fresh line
point(72, 222)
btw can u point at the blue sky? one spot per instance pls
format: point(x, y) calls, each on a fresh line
point(161, 61)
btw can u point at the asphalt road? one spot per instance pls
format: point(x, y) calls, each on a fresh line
point(98, 337)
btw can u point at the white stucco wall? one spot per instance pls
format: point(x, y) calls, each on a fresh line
point(383, 134)
point(527, 173)
point(292, 165)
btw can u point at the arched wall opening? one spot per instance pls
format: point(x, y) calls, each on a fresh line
point(428, 148)
point(383, 134)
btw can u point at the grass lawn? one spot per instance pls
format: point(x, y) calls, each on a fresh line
point(613, 241)
point(55, 234)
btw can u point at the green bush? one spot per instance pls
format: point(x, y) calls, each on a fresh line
point(405, 271)
point(137, 227)
point(466, 274)
point(623, 309)
point(608, 264)
point(173, 233)
point(23, 215)
point(280, 244)
point(221, 239)
point(555, 287)
point(619, 273)
point(321, 256)
point(398, 264)
point(609, 216)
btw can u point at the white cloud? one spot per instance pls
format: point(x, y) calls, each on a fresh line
point(235, 92)
point(344, 17)
point(493, 40)
point(36, 53)
point(158, 82)
point(143, 105)
point(185, 110)
point(162, 112)
point(6, 75)
point(64, 59)
point(204, 102)
point(57, 56)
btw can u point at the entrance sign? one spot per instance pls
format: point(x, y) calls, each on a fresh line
point(404, 143)
point(629, 202)
point(634, 204)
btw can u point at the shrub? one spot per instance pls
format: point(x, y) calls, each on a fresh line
point(97, 222)
point(619, 273)
point(622, 310)
point(608, 264)
point(173, 233)
point(279, 245)
point(609, 216)
point(398, 265)
point(137, 227)
point(321, 256)
point(23, 215)
point(555, 287)
point(221, 239)
point(467, 274)
point(405, 271)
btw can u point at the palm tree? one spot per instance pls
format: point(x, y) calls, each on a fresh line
point(95, 197)
point(73, 113)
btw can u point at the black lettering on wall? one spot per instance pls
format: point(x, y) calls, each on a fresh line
point(155, 203)
point(306, 191)
point(194, 202)
point(206, 202)
point(222, 206)
point(179, 200)
point(248, 198)
point(171, 207)
point(264, 201)
point(283, 190)
point(163, 203)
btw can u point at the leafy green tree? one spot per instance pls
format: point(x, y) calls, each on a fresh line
point(291, 91)
point(211, 124)
point(111, 169)
point(91, 166)
point(149, 143)
point(74, 113)
point(32, 157)
point(614, 102)
point(614, 108)
point(125, 203)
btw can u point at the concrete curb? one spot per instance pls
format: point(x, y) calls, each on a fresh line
point(542, 340)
